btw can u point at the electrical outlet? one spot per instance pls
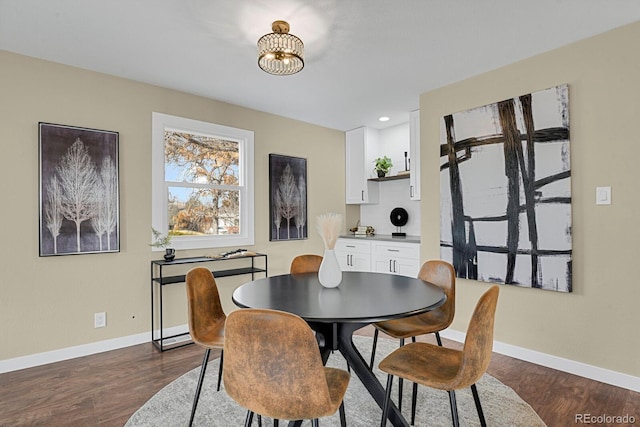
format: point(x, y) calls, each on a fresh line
point(100, 320)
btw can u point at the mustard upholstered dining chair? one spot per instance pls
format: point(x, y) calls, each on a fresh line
point(305, 264)
point(444, 368)
point(441, 274)
point(273, 368)
point(206, 321)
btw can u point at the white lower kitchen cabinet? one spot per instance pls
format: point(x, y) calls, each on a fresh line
point(378, 256)
point(353, 255)
point(396, 258)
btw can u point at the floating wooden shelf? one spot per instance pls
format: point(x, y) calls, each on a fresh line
point(391, 178)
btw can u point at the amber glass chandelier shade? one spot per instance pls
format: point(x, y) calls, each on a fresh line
point(280, 53)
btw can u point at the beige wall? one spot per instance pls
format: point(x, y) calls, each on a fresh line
point(598, 323)
point(48, 303)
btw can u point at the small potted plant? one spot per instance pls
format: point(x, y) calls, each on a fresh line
point(162, 241)
point(382, 166)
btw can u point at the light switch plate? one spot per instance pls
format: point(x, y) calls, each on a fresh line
point(603, 195)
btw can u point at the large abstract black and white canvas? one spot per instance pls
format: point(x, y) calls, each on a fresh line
point(505, 189)
point(79, 195)
point(288, 198)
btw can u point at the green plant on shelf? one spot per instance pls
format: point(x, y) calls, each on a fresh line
point(383, 165)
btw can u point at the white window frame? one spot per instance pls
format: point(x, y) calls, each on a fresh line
point(159, 187)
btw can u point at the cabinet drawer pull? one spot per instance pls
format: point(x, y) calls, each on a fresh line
point(393, 250)
point(350, 246)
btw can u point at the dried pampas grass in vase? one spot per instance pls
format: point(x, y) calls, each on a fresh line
point(329, 227)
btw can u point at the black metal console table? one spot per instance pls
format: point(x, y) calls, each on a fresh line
point(159, 279)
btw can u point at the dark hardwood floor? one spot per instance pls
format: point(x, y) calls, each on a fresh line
point(105, 389)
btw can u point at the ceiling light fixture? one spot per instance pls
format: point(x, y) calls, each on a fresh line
point(383, 119)
point(280, 53)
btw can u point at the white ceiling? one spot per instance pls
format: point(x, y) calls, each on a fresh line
point(364, 58)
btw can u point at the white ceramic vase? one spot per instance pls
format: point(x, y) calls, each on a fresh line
point(329, 274)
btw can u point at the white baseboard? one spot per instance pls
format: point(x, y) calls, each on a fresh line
point(577, 368)
point(565, 365)
point(38, 359)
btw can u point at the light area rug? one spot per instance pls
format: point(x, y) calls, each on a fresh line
point(171, 406)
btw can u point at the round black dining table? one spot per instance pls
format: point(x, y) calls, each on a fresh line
point(335, 314)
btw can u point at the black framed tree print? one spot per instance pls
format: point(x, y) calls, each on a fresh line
point(79, 190)
point(287, 198)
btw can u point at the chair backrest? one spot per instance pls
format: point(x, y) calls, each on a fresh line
point(443, 275)
point(272, 365)
point(305, 264)
point(478, 344)
point(205, 308)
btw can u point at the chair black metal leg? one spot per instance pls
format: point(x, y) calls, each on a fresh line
point(343, 417)
point(438, 339)
point(373, 349)
point(249, 419)
point(454, 408)
point(220, 370)
point(476, 398)
point(199, 386)
point(414, 398)
point(400, 383)
point(276, 423)
point(259, 420)
point(387, 398)
point(314, 422)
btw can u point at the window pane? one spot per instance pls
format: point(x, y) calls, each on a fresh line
point(200, 159)
point(203, 211)
point(202, 183)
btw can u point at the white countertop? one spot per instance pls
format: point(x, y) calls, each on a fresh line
point(383, 238)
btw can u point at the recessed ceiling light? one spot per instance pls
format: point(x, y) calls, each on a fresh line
point(383, 119)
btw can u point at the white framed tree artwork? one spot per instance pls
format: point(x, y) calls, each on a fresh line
point(287, 198)
point(79, 190)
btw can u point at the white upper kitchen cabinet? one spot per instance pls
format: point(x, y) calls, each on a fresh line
point(358, 189)
point(414, 154)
